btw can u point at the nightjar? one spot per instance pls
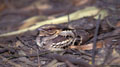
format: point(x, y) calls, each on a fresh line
point(58, 37)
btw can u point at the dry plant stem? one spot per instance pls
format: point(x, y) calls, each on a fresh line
point(10, 62)
point(111, 25)
point(25, 43)
point(108, 35)
point(3, 50)
point(7, 49)
point(95, 41)
point(28, 55)
point(72, 60)
point(89, 11)
point(80, 62)
point(39, 65)
point(108, 53)
point(57, 64)
point(69, 64)
point(52, 63)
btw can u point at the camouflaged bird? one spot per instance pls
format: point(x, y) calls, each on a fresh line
point(53, 38)
point(58, 37)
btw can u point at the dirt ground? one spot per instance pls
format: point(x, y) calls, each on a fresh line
point(20, 50)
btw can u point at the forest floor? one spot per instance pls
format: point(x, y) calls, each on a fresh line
point(20, 50)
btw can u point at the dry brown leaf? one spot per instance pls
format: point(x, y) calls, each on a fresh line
point(118, 24)
point(80, 2)
point(88, 46)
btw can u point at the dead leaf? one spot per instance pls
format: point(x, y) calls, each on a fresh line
point(118, 24)
point(88, 46)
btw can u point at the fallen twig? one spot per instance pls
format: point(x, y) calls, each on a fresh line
point(80, 62)
point(10, 62)
point(95, 41)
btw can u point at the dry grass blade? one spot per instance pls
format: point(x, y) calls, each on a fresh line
point(89, 11)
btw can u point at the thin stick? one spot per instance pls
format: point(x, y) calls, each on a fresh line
point(38, 58)
point(95, 40)
point(68, 18)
